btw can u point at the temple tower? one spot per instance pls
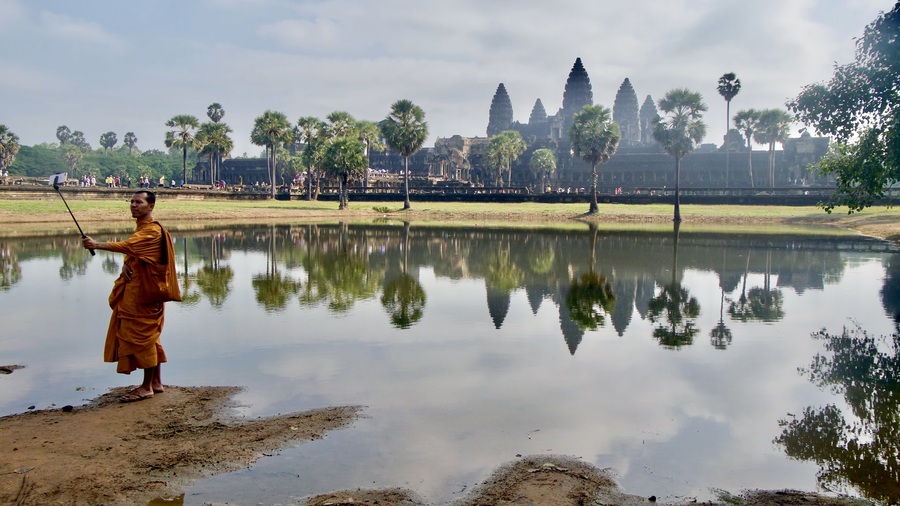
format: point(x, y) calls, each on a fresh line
point(649, 113)
point(501, 116)
point(577, 94)
point(538, 114)
point(626, 114)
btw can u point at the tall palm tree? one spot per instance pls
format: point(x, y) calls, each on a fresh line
point(130, 140)
point(774, 126)
point(405, 131)
point(309, 131)
point(215, 112)
point(63, 134)
point(340, 124)
point(271, 130)
point(729, 86)
point(680, 131)
point(72, 156)
point(213, 141)
point(595, 138)
point(746, 121)
point(9, 147)
point(182, 136)
point(108, 140)
point(370, 135)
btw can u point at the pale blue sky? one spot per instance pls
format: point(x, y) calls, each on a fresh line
point(104, 65)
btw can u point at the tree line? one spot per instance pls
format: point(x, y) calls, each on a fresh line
point(858, 107)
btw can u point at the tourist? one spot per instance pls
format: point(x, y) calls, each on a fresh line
point(132, 338)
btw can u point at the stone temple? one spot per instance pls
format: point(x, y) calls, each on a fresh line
point(639, 161)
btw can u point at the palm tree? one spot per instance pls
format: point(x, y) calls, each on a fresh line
point(130, 140)
point(182, 137)
point(309, 131)
point(72, 156)
point(78, 140)
point(108, 140)
point(595, 137)
point(215, 112)
point(680, 131)
point(9, 147)
point(774, 126)
point(213, 141)
point(271, 130)
point(340, 124)
point(63, 134)
point(370, 135)
point(746, 121)
point(405, 131)
point(542, 162)
point(729, 87)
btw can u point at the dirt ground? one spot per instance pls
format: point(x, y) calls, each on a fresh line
point(109, 453)
point(144, 453)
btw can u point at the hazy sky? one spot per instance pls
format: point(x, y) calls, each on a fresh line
point(104, 65)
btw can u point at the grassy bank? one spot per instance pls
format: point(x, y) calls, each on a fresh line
point(44, 216)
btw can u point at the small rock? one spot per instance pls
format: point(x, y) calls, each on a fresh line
point(652, 498)
point(68, 408)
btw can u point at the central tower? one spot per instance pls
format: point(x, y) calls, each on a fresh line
point(577, 94)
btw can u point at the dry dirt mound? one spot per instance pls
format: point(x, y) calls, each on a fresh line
point(113, 453)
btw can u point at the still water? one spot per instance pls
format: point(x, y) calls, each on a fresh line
point(683, 361)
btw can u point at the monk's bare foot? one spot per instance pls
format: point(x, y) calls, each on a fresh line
point(158, 389)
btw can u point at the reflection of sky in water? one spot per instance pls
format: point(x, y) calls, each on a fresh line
point(451, 398)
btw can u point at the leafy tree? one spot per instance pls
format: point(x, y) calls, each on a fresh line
point(271, 130)
point(310, 131)
point(108, 140)
point(38, 161)
point(63, 134)
point(680, 131)
point(508, 146)
point(215, 112)
point(9, 147)
point(543, 162)
point(729, 86)
point(773, 126)
point(130, 141)
point(860, 107)
point(405, 131)
point(182, 136)
point(595, 138)
point(747, 121)
point(345, 159)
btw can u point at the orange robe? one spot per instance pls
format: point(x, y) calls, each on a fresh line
point(132, 339)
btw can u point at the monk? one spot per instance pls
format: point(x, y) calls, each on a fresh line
point(132, 340)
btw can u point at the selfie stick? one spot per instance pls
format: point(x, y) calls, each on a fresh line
point(56, 187)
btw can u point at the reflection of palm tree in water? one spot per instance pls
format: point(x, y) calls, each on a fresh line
point(273, 289)
point(763, 304)
point(674, 310)
point(10, 270)
point(720, 335)
point(590, 296)
point(404, 298)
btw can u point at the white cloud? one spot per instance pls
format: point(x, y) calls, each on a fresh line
point(310, 58)
point(66, 27)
